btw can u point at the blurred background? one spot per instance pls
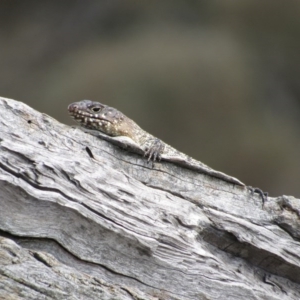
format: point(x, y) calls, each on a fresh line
point(218, 80)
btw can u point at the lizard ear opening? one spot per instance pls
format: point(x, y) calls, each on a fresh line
point(96, 109)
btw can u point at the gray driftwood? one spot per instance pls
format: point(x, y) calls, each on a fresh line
point(81, 218)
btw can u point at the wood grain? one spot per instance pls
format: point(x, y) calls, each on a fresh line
point(81, 218)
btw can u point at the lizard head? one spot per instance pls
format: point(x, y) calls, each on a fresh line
point(98, 116)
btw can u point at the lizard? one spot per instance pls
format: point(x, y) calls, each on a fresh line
point(117, 127)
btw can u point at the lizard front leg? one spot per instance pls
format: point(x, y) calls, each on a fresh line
point(153, 149)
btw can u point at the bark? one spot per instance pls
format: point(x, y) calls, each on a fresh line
point(81, 218)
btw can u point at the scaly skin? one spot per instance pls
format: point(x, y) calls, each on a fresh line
point(110, 121)
point(97, 116)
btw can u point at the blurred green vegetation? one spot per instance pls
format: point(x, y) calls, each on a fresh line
point(218, 80)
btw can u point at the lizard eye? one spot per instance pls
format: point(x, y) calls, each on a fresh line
point(96, 109)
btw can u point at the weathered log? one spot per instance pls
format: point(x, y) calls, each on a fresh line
point(81, 218)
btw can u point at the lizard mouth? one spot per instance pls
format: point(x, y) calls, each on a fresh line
point(87, 119)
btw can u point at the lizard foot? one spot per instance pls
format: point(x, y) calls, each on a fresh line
point(154, 150)
point(264, 195)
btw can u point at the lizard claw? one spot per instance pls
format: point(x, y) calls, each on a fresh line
point(154, 151)
point(264, 195)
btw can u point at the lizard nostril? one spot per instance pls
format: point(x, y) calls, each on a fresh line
point(72, 107)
